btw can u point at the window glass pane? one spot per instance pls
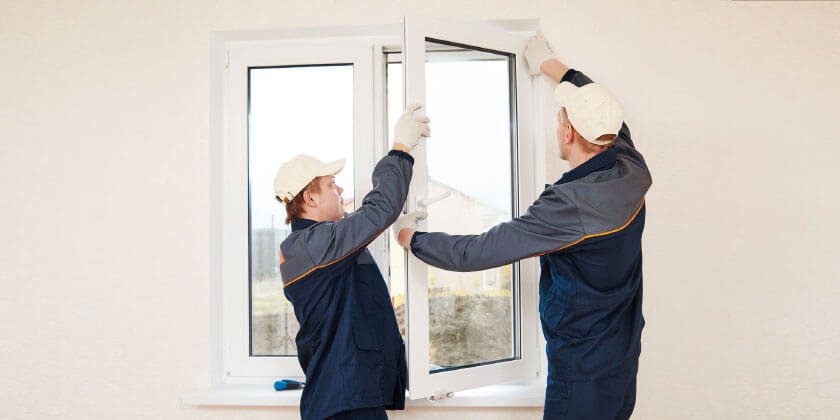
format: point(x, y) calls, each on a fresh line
point(292, 110)
point(468, 98)
point(468, 95)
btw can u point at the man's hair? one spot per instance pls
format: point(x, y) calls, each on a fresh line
point(294, 208)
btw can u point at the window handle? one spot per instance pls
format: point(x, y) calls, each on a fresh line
point(423, 204)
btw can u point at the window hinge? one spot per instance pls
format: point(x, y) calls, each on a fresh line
point(227, 58)
point(440, 395)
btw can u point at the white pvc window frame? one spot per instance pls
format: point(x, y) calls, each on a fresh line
point(422, 382)
point(237, 361)
point(233, 54)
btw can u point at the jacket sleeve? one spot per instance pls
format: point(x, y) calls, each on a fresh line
point(623, 142)
point(550, 224)
point(333, 241)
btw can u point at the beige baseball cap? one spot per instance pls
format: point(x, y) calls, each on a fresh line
point(592, 110)
point(296, 173)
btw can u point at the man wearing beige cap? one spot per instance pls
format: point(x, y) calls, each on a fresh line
point(349, 345)
point(587, 230)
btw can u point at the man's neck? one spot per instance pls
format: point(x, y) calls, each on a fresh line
point(317, 217)
point(312, 217)
point(577, 159)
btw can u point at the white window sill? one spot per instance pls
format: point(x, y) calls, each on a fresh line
point(518, 395)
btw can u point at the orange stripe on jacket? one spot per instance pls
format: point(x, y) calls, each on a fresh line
point(333, 262)
point(596, 234)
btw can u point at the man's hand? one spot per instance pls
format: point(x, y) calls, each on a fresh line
point(404, 238)
point(537, 52)
point(403, 229)
point(541, 59)
point(410, 127)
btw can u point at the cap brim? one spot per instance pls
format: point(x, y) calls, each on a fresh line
point(600, 142)
point(332, 168)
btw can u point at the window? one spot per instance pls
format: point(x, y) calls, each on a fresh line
point(337, 94)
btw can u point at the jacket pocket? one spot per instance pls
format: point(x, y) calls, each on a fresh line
point(366, 339)
point(362, 372)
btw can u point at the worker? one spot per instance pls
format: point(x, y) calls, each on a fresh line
point(349, 345)
point(587, 230)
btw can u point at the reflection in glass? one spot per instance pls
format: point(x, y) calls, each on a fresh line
point(286, 114)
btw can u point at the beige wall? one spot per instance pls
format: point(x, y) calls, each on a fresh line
point(104, 119)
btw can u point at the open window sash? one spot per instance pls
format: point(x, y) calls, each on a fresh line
point(429, 44)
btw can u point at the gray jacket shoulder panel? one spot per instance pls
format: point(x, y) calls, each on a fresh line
point(297, 258)
point(325, 243)
point(562, 216)
point(607, 200)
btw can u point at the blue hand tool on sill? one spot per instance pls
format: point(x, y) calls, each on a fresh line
point(284, 384)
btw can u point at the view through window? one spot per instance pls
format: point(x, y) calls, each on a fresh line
point(292, 110)
point(468, 98)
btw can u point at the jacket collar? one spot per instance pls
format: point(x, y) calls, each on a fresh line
point(599, 162)
point(301, 224)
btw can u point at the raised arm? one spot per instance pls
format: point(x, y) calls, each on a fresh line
point(542, 60)
point(327, 243)
point(331, 241)
point(623, 142)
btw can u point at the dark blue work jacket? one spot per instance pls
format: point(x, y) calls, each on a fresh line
point(587, 230)
point(591, 296)
point(349, 344)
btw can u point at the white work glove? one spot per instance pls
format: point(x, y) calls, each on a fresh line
point(407, 221)
point(537, 52)
point(411, 126)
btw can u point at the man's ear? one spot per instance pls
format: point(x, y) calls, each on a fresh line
point(308, 199)
point(570, 134)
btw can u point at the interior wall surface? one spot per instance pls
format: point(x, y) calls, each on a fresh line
point(104, 169)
